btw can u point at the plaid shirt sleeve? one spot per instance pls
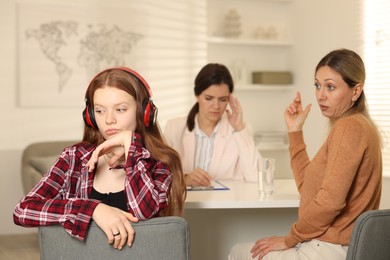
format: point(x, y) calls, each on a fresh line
point(56, 200)
point(147, 181)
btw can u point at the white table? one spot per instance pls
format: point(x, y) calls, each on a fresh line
point(243, 194)
point(219, 219)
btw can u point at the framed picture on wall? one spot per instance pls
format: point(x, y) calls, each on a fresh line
point(62, 46)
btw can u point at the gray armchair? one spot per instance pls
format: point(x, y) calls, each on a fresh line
point(371, 236)
point(164, 238)
point(37, 158)
point(157, 238)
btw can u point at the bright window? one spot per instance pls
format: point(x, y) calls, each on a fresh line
point(376, 53)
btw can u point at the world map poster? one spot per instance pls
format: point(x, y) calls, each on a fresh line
point(61, 47)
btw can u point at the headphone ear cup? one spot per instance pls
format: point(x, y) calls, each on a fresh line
point(146, 107)
point(89, 117)
point(150, 113)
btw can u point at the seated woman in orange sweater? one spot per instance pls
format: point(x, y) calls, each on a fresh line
point(343, 179)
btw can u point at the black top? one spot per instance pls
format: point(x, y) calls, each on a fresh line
point(114, 199)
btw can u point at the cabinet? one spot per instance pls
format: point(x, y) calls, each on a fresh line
point(263, 105)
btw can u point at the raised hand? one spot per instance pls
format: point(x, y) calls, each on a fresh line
point(235, 116)
point(117, 146)
point(294, 114)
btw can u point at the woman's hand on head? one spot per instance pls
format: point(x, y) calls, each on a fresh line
point(235, 116)
point(265, 245)
point(294, 114)
point(198, 177)
point(117, 146)
point(115, 223)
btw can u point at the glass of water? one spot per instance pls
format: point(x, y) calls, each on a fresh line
point(266, 170)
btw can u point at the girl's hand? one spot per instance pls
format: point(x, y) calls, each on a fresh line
point(294, 115)
point(117, 146)
point(115, 224)
point(235, 116)
point(265, 245)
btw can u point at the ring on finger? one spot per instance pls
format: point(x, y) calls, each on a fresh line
point(116, 234)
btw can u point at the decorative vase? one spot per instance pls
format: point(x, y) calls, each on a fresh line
point(232, 24)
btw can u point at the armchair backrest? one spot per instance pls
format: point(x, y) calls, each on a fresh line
point(164, 238)
point(37, 158)
point(371, 236)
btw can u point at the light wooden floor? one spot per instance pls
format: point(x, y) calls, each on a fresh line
point(15, 247)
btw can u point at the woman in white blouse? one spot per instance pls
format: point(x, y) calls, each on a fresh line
point(214, 142)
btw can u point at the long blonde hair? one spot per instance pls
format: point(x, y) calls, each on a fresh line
point(351, 68)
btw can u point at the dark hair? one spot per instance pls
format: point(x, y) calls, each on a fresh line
point(151, 136)
point(210, 74)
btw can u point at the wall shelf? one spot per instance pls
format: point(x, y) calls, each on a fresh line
point(271, 141)
point(260, 87)
point(268, 147)
point(254, 42)
point(278, 1)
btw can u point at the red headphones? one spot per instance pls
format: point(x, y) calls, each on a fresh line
point(150, 110)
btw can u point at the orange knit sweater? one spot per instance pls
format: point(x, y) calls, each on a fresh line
point(343, 180)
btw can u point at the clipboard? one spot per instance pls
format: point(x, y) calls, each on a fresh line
point(216, 185)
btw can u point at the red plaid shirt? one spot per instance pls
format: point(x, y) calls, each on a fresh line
point(62, 195)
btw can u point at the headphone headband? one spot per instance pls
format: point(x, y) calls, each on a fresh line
point(150, 110)
point(131, 72)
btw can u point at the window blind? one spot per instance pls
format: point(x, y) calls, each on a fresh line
point(173, 50)
point(376, 54)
